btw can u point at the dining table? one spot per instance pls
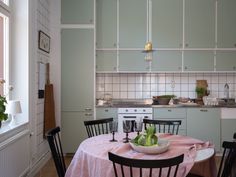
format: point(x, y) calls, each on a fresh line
point(91, 157)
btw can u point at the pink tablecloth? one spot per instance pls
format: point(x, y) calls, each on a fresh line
point(91, 158)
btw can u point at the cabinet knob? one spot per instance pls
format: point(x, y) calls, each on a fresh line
point(186, 45)
point(234, 68)
point(106, 110)
point(114, 44)
point(179, 68)
point(91, 21)
point(203, 110)
point(185, 67)
point(88, 114)
point(169, 110)
point(180, 45)
point(234, 45)
point(88, 109)
point(114, 68)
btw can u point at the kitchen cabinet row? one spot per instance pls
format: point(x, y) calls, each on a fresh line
point(167, 23)
point(164, 61)
point(202, 123)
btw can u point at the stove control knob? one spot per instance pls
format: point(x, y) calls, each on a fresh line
point(126, 110)
point(144, 110)
point(135, 110)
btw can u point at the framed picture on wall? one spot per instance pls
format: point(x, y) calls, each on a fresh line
point(44, 42)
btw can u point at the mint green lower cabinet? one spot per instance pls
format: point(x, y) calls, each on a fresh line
point(167, 61)
point(132, 61)
point(106, 61)
point(198, 61)
point(226, 61)
point(204, 124)
point(102, 113)
point(228, 128)
point(73, 131)
point(172, 114)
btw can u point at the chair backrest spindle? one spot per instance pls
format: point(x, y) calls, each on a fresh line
point(97, 127)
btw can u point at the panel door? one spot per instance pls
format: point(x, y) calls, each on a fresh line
point(133, 23)
point(73, 131)
point(228, 129)
point(106, 23)
point(204, 124)
point(167, 23)
point(200, 23)
point(198, 61)
point(106, 61)
point(226, 61)
point(132, 61)
point(102, 113)
point(226, 25)
point(77, 11)
point(77, 69)
point(167, 61)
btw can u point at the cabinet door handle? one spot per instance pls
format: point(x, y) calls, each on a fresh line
point(169, 110)
point(203, 110)
point(106, 110)
point(88, 114)
point(88, 109)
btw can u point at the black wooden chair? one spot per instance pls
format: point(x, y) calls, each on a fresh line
point(164, 126)
point(234, 136)
point(145, 164)
point(97, 127)
point(228, 159)
point(54, 141)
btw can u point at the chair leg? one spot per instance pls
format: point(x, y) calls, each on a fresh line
point(193, 175)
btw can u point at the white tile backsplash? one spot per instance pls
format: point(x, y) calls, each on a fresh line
point(138, 85)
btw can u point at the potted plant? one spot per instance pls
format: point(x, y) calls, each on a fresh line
point(3, 102)
point(201, 91)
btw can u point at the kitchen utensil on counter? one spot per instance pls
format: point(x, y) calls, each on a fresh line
point(162, 99)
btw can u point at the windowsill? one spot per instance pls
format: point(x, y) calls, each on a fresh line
point(7, 131)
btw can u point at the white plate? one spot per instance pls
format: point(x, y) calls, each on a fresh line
point(204, 154)
point(162, 146)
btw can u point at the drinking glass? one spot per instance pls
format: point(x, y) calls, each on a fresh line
point(113, 128)
point(138, 126)
point(127, 126)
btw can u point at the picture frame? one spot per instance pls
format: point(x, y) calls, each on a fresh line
point(43, 42)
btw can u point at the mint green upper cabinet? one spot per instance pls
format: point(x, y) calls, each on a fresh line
point(106, 23)
point(167, 61)
point(198, 61)
point(77, 11)
point(226, 61)
point(226, 24)
point(200, 23)
point(133, 23)
point(204, 124)
point(167, 23)
point(132, 61)
point(106, 60)
point(77, 69)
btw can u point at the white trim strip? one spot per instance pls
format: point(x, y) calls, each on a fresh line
point(79, 26)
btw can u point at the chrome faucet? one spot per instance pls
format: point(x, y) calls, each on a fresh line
point(226, 91)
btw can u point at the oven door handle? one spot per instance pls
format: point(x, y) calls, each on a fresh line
point(129, 117)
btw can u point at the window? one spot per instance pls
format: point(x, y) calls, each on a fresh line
point(4, 44)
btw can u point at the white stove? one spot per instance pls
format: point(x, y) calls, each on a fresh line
point(133, 114)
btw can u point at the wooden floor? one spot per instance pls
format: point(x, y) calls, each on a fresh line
point(49, 169)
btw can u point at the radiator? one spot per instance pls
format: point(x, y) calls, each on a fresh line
point(14, 155)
